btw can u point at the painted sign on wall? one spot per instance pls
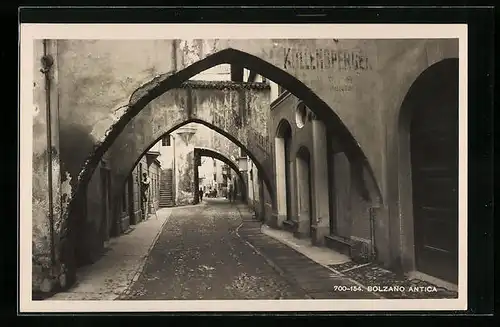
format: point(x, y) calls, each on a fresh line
point(325, 59)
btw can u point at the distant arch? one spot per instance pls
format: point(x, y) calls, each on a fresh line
point(260, 167)
point(207, 152)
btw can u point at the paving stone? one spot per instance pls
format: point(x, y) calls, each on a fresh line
point(316, 280)
point(225, 268)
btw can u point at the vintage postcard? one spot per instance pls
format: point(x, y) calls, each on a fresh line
point(243, 167)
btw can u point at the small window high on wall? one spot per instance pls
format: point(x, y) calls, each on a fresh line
point(165, 141)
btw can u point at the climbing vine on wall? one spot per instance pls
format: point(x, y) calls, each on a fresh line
point(185, 183)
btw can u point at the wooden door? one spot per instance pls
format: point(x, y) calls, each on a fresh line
point(434, 158)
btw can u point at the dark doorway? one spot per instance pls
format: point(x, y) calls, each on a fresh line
point(130, 200)
point(304, 188)
point(434, 161)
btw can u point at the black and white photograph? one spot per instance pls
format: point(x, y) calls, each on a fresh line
point(203, 165)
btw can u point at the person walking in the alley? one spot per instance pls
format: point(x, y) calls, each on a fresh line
point(200, 193)
point(230, 193)
point(145, 182)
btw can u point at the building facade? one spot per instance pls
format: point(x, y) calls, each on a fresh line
point(325, 196)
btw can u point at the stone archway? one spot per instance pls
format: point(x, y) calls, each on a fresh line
point(158, 86)
point(145, 94)
point(123, 171)
point(428, 172)
point(212, 153)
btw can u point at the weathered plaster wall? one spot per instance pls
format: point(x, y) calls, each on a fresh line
point(218, 107)
point(96, 79)
point(41, 222)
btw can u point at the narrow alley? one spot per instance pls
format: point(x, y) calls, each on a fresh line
point(199, 255)
point(217, 250)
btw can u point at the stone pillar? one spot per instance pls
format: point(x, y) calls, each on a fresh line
point(303, 196)
point(321, 219)
point(280, 171)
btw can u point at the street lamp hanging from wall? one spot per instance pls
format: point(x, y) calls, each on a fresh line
point(243, 161)
point(243, 164)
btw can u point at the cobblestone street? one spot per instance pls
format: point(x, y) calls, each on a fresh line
point(199, 255)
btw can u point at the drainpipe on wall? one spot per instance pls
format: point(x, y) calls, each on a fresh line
point(47, 62)
point(372, 233)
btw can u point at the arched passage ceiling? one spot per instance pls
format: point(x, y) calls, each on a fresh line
point(231, 109)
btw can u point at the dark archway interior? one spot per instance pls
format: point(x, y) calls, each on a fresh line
point(427, 85)
point(303, 153)
point(145, 94)
point(284, 129)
